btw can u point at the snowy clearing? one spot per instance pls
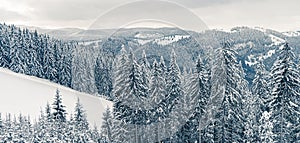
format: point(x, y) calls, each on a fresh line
point(276, 40)
point(170, 39)
point(28, 95)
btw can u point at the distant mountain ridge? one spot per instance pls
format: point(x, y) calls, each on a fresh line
point(251, 45)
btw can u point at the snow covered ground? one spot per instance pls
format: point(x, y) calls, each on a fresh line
point(158, 39)
point(276, 40)
point(292, 33)
point(170, 39)
point(27, 95)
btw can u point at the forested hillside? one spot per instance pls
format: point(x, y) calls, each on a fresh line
point(30, 53)
point(210, 103)
point(171, 85)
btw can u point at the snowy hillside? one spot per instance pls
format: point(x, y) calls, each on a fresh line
point(292, 33)
point(27, 95)
point(170, 39)
point(158, 38)
point(276, 40)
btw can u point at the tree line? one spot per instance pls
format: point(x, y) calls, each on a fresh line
point(64, 62)
point(211, 103)
point(157, 102)
point(30, 53)
point(52, 126)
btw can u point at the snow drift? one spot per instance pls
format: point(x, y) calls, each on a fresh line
point(28, 95)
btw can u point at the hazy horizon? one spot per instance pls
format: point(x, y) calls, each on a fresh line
point(217, 14)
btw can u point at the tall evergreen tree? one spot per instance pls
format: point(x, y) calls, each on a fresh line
point(33, 63)
point(157, 84)
point(59, 112)
point(174, 92)
point(80, 117)
point(103, 76)
point(198, 90)
point(49, 116)
point(157, 93)
point(17, 52)
point(260, 87)
point(226, 101)
point(145, 73)
point(81, 124)
point(163, 67)
point(37, 55)
point(29, 53)
point(173, 87)
point(107, 125)
point(284, 100)
point(68, 64)
point(119, 74)
point(4, 47)
point(248, 107)
point(260, 92)
point(129, 91)
point(120, 132)
point(41, 47)
point(129, 87)
point(49, 68)
point(145, 76)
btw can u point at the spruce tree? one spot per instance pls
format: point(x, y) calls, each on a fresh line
point(284, 100)
point(120, 74)
point(198, 90)
point(145, 73)
point(49, 68)
point(157, 84)
point(33, 63)
point(129, 87)
point(29, 53)
point(225, 105)
point(4, 47)
point(107, 125)
point(129, 93)
point(248, 107)
point(120, 132)
point(157, 93)
point(163, 67)
point(173, 85)
point(59, 112)
point(80, 117)
point(174, 94)
point(103, 79)
point(41, 47)
point(260, 92)
point(17, 51)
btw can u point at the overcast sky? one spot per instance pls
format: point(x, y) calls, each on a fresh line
point(281, 15)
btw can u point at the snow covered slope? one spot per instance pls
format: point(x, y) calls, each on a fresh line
point(291, 33)
point(27, 95)
point(170, 39)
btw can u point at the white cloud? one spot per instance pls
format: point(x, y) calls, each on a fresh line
point(276, 14)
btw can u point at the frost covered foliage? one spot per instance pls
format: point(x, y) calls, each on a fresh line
point(284, 99)
point(204, 105)
point(62, 62)
point(30, 53)
point(217, 98)
point(51, 126)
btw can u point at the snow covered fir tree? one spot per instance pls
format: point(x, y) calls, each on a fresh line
point(193, 89)
point(51, 126)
